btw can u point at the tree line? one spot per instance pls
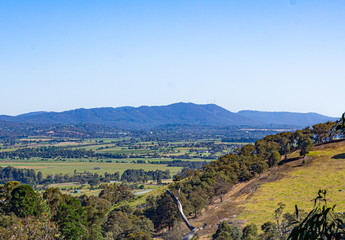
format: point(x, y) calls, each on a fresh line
point(29, 176)
point(140, 175)
point(56, 152)
point(47, 152)
point(179, 163)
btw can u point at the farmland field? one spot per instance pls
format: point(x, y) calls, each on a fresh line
point(89, 159)
point(116, 152)
point(57, 167)
point(131, 148)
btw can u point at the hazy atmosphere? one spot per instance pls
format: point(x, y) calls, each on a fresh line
point(261, 55)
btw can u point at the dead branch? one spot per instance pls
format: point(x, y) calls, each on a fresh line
point(193, 230)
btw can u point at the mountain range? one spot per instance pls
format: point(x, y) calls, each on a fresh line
point(146, 117)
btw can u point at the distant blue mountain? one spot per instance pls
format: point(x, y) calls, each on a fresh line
point(146, 117)
point(31, 114)
point(286, 118)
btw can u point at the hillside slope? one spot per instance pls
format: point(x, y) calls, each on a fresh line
point(290, 183)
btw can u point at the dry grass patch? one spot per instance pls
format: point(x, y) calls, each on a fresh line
point(300, 185)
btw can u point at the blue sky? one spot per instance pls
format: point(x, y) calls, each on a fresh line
point(271, 55)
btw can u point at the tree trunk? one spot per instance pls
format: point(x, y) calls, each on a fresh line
point(193, 230)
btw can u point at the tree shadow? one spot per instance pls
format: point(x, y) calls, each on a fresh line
point(289, 160)
point(339, 156)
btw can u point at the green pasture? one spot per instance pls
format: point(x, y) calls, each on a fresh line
point(109, 146)
point(118, 150)
point(299, 185)
point(8, 149)
point(140, 199)
point(68, 167)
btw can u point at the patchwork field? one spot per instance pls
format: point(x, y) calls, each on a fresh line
point(203, 150)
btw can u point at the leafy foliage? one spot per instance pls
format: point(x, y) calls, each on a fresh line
point(226, 231)
point(140, 175)
point(321, 223)
point(30, 228)
point(71, 219)
point(26, 202)
point(115, 193)
point(250, 232)
point(274, 159)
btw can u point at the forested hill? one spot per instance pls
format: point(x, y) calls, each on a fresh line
point(146, 117)
point(283, 118)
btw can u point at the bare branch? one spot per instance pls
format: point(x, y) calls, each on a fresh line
point(193, 230)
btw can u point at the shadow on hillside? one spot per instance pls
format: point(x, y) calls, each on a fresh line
point(289, 160)
point(339, 156)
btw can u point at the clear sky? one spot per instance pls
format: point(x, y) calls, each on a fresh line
point(271, 55)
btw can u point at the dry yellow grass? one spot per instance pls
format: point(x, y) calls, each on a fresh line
point(300, 185)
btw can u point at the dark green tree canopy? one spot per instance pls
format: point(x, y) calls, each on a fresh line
point(25, 201)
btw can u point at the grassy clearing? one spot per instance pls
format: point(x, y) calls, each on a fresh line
point(77, 189)
point(140, 199)
point(300, 185)
point(74, 189)
point(8, 149)
point(63, 167)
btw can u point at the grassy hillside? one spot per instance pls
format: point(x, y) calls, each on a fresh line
point(290, 183)
point(299, 184)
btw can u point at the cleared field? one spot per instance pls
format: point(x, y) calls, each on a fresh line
point(63, 167)
point(69, 188)
point(92, 147)
point(8, 149)
point(299, 185)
